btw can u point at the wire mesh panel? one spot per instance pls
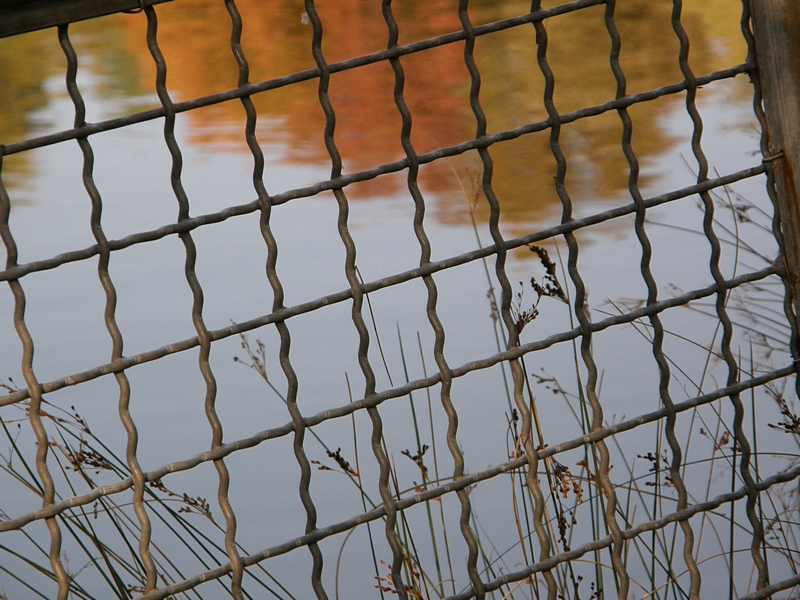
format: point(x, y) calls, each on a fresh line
point(288, 374)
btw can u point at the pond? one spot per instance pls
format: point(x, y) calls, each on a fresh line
point(51, 212)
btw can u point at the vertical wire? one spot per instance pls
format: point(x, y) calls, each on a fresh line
point(518, 373)
point(34, 407)
point(357, 291)
point(237, 566)
point(581, 313)
point(652, 298)
point(721, 300)
point(35, 391)
point(478, 587)
point(265, 208)
point(291, 397)
point(104, 255)
point(425, 258)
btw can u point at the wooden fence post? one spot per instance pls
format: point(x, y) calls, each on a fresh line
point(776, 26)
point(22, 16)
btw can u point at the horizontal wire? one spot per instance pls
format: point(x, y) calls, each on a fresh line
point(250, 89)
point(402, 391)
point(18, 271)
point(373, 400)
point(768, 591)
point(633, 532)
point(286, 313)
point(466, 481)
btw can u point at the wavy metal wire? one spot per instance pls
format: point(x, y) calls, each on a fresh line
point(45, 486)
point(344, 180)
point(204, 340)
point(676, 464)
point(404, 390)
point(412, 183)
point(721, 300)
point(526, 439)
point(391, 509)
point(357, 293)
point(254, 88)
point(603, 465)
point(137, 476)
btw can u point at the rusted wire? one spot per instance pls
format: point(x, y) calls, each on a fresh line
point(425, 258)
point(265, 207)
point(633, 532)
point(45, 485)
point(768, 591)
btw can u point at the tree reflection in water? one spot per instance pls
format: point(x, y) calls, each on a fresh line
point(194, 36)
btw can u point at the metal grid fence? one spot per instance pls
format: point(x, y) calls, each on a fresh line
point(548, 566)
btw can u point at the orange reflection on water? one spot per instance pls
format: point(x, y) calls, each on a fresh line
point(277, 42)
point(194, 36)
